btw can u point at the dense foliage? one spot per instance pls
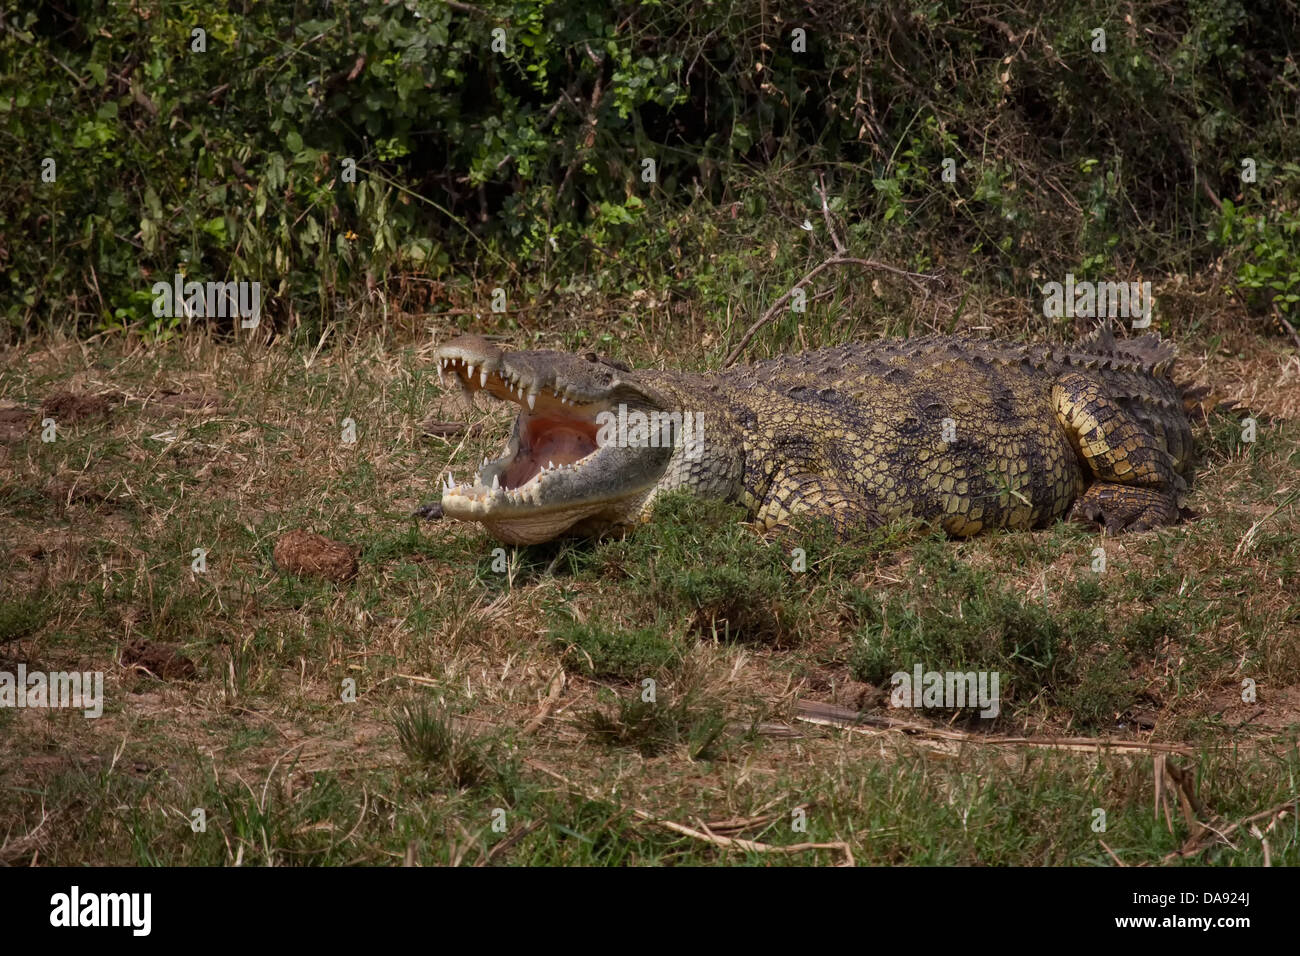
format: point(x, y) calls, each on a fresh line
point(509, 143)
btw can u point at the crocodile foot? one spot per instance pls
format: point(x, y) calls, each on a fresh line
point(429, 511)
point(1119, 507)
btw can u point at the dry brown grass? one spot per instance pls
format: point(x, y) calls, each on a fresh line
point(226, 447)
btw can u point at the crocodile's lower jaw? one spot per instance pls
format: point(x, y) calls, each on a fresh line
point(537, 528)
point(553, 500)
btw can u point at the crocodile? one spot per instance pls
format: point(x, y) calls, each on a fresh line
point(972, 434)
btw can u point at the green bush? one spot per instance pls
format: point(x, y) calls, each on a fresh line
point(518, 164)
point(1267, 244)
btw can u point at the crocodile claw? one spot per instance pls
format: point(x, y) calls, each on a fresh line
point(429, 511)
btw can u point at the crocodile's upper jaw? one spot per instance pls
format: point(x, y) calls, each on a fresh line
point(557, 470)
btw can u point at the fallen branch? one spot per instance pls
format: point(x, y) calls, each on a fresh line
point(829, 715)
point(1199, 843)
point(704, 835)
point(770, 314)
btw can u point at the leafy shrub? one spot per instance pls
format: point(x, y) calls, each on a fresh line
point(1268, 248)
point(506, 143)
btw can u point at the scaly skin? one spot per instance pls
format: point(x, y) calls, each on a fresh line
point(972, 434)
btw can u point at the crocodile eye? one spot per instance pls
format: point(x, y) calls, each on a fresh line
point(590, 356)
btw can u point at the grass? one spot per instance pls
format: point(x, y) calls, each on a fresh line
point(429, 736)
point(654, 726)
point(502, 716)
point(600, 651)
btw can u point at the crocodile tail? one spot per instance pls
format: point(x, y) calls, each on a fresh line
point(1153, 353)
point(1200, 400)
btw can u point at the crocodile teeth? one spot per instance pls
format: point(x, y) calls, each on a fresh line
point(483, 377)
point(496, 483)
point(469, 375)
point(532, 401)
point(550, 466)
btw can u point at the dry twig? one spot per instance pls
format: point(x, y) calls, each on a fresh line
point(704, 835)
point(830, 715)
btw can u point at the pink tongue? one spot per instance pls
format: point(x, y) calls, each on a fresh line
point(563, 447)
point(521, 470)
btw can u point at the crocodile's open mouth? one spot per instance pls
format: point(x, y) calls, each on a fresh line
point(560, 465)
point(552, 433)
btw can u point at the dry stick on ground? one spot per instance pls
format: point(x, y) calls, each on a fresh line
point(1192, 847)
point(829, 715)
point(729, 843)
point(770, 314)
point(557, 683)
point(27, 844)
point(508, 842)
point(1191, 806)
point(1262, 837)
point(1248, 539)
point(740, 824)
point(1118, 861)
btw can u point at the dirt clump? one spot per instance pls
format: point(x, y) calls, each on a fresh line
point(306, 554)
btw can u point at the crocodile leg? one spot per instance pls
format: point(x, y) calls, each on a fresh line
point(1134, 486)
point(819, 496)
